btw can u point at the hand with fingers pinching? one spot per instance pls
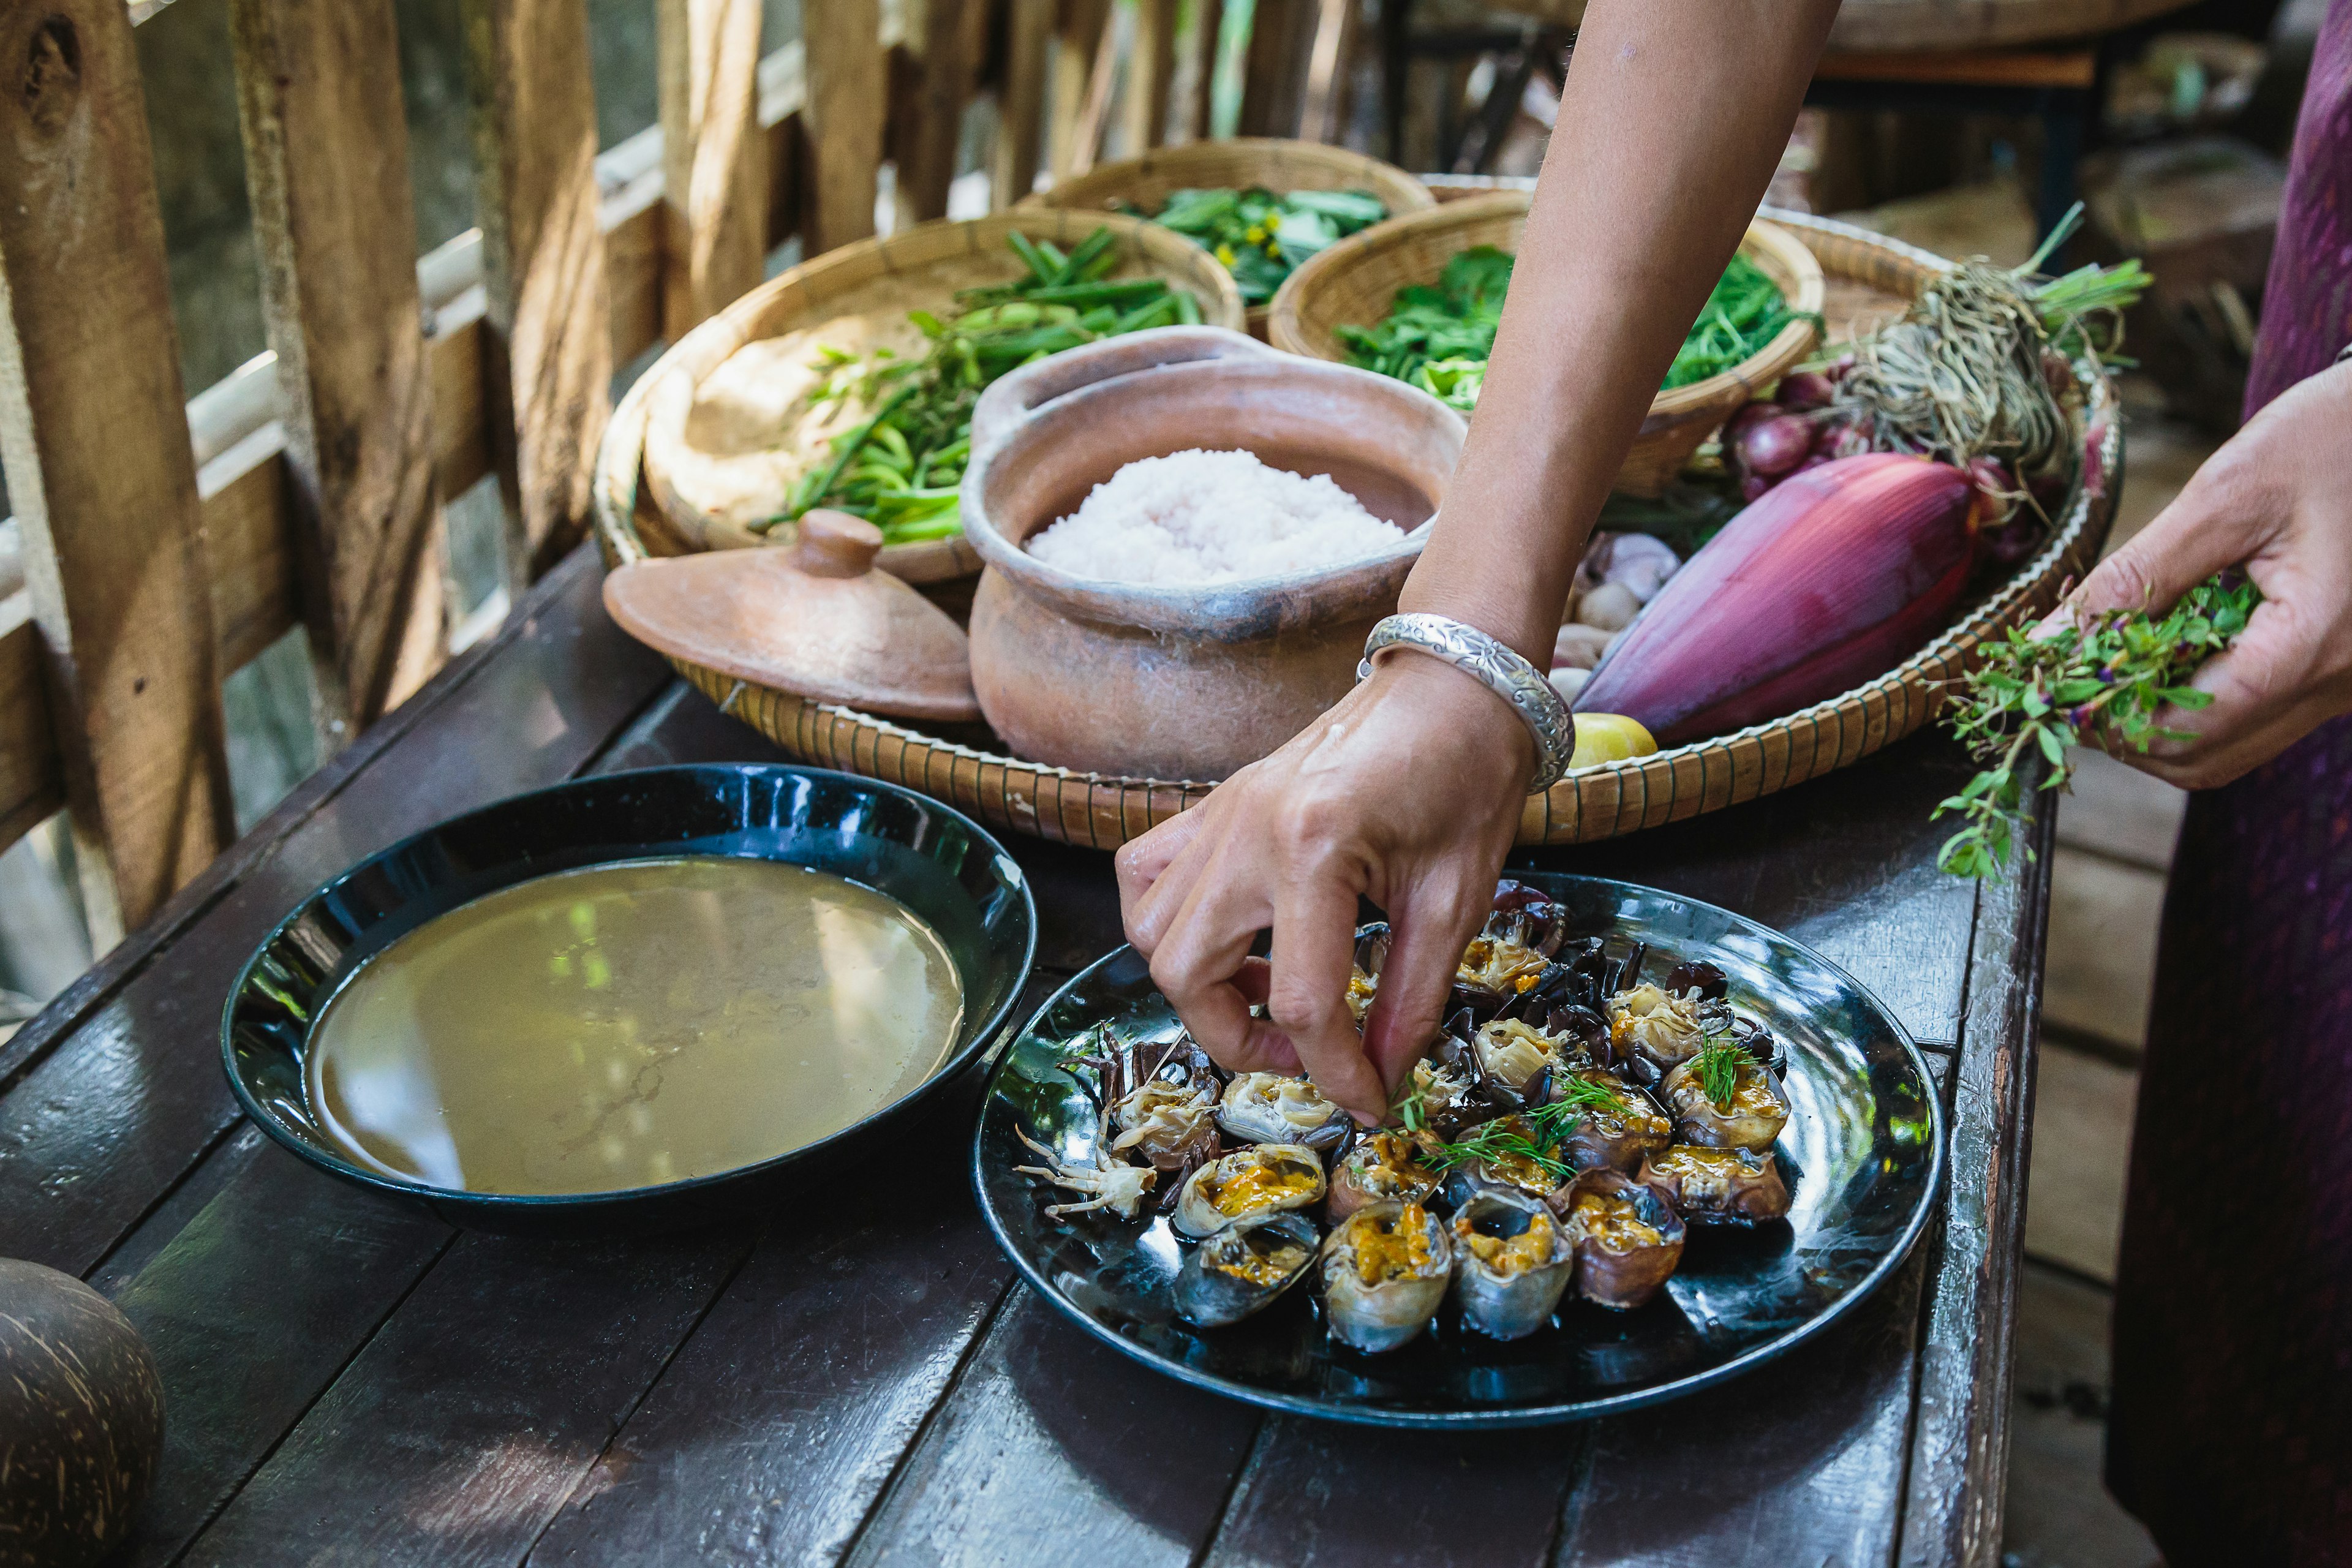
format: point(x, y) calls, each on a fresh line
point(1407, 793)
point(2277, 501)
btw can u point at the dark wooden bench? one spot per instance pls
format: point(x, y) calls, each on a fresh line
point(861, 1379)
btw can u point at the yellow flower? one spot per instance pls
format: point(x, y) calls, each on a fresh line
point(1273, 221)
point(1254, 234)
point(1226, 255)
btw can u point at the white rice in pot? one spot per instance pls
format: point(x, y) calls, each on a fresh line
point(1210, 517)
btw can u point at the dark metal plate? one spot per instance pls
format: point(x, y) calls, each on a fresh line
point(933, 858)
point(1864, 1154)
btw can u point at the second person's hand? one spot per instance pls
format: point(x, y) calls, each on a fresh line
point(1407, 793)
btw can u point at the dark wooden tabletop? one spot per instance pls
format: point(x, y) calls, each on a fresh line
point(348, 1381)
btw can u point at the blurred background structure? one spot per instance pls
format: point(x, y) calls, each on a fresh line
point(1962, 127)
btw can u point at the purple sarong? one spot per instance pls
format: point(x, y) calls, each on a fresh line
point(2231, 1431)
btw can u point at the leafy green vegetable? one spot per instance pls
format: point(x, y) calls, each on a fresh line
point(1439, 338)
point(2104, 680)
point(1261, 237)
point(902, 468)
point(1744, 311)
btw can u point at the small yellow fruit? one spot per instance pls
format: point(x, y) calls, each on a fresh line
point(1609, 738)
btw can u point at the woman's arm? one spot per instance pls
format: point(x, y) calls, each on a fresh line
point(1409, 791)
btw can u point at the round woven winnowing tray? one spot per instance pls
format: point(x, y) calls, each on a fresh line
point(1595, 803)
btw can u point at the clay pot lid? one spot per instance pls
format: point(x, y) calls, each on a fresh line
point(812, 618)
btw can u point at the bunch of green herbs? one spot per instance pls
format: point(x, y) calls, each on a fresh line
point(1440, 337)
point(2099, 681)
point(1261, 237)
point(902, 468)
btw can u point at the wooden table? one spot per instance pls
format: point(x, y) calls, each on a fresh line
point(350, 1382)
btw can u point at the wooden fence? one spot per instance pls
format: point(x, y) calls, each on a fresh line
point(308, 489)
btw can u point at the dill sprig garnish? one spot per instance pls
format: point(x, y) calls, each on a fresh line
point(1495, 1142)
point(2106, 679)
point(1546, 1125)
point(1716, 1066)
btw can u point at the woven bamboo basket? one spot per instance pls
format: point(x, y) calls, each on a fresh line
point(928, 258)
point(1589, 804)
point(1276, 164)
point(1355, 282)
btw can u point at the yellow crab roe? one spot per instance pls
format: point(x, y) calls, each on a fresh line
point(1258, 1185)
point(1394, 1248)
point(1689, 1160)
point(1532, 1248)
point(1498, 965)
point(1615, 1223)
point(1266, 1268)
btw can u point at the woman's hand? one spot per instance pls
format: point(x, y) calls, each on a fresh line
point(2277, 499)
point(1407, 793)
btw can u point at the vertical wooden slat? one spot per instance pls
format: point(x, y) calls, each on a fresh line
point(1020, 143)
point(714, 175)
point(1274, 77)
point(1149, 73)
point(848, 99)
point(93, 430)
point(952, 42)
point(1094, 119)
point(1077, 43)
point(326, 153)
point(548, 359)
point(1208, 33)
point(1327, 70)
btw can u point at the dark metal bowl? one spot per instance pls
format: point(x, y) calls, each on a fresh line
point(934, 859)
point(1862, 1153)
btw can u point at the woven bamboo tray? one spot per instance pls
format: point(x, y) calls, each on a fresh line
point(1591, 804)
point(1276, 164)
point(929, 258)
point(1355, 283)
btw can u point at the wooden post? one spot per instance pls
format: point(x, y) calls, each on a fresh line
point(714, 178)
point(326, 155)
point(1274, 78)
point(1077, 44)
point(1326, 95)
point(548, 359)
point(848, 99)
point(952, 43)
point(1020, 143)
point(1149, 74)
point(1094, 119)
point(1209, 28)
point(93, 429)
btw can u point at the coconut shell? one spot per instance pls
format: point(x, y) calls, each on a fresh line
point(81, 1420)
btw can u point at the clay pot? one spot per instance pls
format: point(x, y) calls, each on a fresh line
point(1176, 682)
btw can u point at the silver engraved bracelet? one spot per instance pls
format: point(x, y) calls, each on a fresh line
point(1500, 669)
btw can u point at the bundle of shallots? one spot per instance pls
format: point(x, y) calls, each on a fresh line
point(1978, 373)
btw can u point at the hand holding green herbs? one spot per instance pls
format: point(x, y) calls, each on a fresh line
point(1439, 338)
point(902, 468)
point(1261, 237)
point(2107, 678)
